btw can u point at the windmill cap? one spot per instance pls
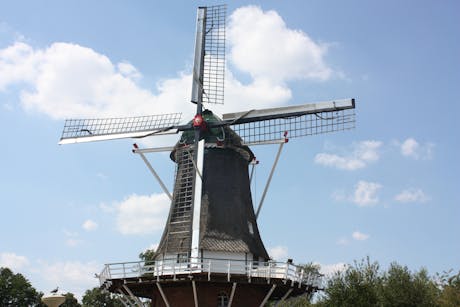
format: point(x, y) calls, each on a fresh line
point(215, 137)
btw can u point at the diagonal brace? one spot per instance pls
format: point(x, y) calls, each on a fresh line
point(154, 173)
point(267, 185)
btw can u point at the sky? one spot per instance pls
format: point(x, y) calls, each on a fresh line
point(387, 189)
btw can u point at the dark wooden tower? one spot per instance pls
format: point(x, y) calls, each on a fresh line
point(211, 252)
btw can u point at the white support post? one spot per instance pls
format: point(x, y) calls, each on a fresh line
point(232, 294)
point(254, 162)
point(270, 176)
point(197, 205)
point(135, 298)
point(228, 271)
point(165, 300)
point(195, 296)
point(123, 299)
point(267, 296)
point(301, 277)
point(154, 173)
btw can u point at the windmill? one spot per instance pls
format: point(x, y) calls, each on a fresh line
point(211, 251)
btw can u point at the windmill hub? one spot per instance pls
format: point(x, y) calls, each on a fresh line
point(199, 122)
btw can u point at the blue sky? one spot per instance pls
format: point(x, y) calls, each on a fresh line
point(388, 189)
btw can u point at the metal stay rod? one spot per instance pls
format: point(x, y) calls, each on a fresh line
point(155, 149)
point(253, 163)
point(163, 186)
point(267, 185)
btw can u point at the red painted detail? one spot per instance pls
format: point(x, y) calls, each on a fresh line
point(135, 146)
point(285, 137)
point(198, 120)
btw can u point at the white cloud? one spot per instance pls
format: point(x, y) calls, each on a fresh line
point(366, 193)
point(12, 261)
point(413, 149)
point(343, 241)
point(359, 236)
point(89, 225)
point(73, 242)
point(70, 276)
point(263, 46)
point(72, 239)
point(7, 107)
point(330, 269)
point(128, 70)
point(278, 253)
point(68, 80)
point(361, 155)
point(411, 195)
point(142, 214)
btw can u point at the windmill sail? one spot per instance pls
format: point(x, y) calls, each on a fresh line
point(209, 66)
point(265, 125)
point(100, 129)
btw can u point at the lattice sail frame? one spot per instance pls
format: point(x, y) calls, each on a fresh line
point(214, 57)
point(297, 126)
point(97, 129)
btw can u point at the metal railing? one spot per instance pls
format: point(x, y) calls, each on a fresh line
point(172, 269)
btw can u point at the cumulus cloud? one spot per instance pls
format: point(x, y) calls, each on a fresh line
point(89, 225)
point(72, 238)
point(413, 149)
point(330, 269)
point(13, 261)
point(361, 155)
point(359, 236)
point(365, 193)
point(72, 276)
point(278, 253)
point(142, 214)
point(343, 241)
point(411, 195)
point(263, 46)
point(69, 80)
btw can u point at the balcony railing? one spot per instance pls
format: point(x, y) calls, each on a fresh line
point(172, 269)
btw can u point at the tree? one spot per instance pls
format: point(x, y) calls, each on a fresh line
point(402, 288)
point(100, 298)
point(450, 295)
point(357, 286)
point(70, 301)
point(15, 290)
point(147, 255)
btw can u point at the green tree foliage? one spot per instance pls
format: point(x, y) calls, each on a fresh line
point(99, 298)
point(357, 286)
point(70, 301)
point(15, 290)
point(363, 284)
point(400, 287)
point(147, 255)
point(450, 296)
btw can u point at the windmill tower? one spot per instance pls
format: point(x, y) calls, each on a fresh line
point(211, 252)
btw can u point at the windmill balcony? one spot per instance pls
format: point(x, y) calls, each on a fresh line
point(171, 269)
